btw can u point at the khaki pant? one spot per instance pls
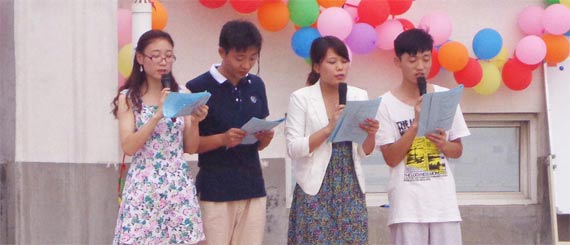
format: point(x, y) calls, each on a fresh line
point(443, 233)
point(234, 222)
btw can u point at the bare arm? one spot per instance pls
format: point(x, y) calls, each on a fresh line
point(370, 126)
point(229, 139)
point(191, 129)
point(451, 149)
point(132, 140)
point(395, 152)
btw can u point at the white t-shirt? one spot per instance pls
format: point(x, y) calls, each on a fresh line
point(421, 187)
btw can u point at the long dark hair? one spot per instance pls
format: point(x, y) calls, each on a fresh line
point(137, 78)
point(319, 49)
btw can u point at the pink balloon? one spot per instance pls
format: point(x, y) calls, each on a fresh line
point(335, 21)
point(556, 19)
point(530, 20)
point(124, 27)
point(352, 10)
point(438, 25)
point(387, 32)
point(530, 50)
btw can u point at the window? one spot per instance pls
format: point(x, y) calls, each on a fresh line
point(498, 165)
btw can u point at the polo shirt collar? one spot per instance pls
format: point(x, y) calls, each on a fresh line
point(218, 76)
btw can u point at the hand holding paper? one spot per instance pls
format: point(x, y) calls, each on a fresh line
point(355, 113)
point(255, 125)
point(182, 104)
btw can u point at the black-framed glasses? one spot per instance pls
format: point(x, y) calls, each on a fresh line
point(157, 58)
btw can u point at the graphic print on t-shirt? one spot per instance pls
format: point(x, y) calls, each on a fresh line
point(423, 160)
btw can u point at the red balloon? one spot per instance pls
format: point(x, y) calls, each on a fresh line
point(527, 66)
point(406, 24)
point(516, 75)
point(373, 12)
point(245, 6)
point(213, 3)
point(471, 75)
point(435, 66)
point(398, 7)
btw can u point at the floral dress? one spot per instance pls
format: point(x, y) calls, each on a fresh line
point(159, 198)
point(337, 214)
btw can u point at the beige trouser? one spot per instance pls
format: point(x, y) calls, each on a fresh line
point(234, 222)
point(443, 233)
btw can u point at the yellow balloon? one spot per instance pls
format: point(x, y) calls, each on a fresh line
point(565, 3)
point(491, 79)
point(500, 60)
point(126, 60)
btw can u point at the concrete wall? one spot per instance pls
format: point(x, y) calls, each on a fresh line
point(57, 163)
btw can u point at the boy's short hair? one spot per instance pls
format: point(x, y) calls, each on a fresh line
point(239, 35)
point(412, 41)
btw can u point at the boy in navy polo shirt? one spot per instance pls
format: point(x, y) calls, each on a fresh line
point(230, 182)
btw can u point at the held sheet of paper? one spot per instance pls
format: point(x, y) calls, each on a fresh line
point(255, 125)
point(183, 104)
point(355, 112)
point(438, 110)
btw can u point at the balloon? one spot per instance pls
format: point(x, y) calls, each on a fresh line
point(352, 10)
point(435, 66)
point(125, 26)
point(530, 20)
point(302, 40)
point(438, 25)
point(556, 19)
point(159, 16)
point(565, 3)
point(557, 48)
point(126, 60)
point(273, 16)
point(245, 6)
point(491, 80)
point(362, 39)
point(213, 3)
point(516, 76)
point(470, 75)
point(530, 50)
point(500, 59)
point(303, 12)
point(387, 32)
point(528, 67)
point(398, 7)
point(331, 3)
point(406, 24)
point(487, 44)
point(335, 21)
point(453, 56)
point(373, 12)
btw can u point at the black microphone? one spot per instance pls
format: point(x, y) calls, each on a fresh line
point(422, 85)
point(165, 80)
point(342, 93)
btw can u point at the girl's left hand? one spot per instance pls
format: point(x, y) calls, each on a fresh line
point(439, 138)
point(370, 126)
point(199, 113)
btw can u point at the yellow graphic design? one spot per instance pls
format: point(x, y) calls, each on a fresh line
point(424, 161)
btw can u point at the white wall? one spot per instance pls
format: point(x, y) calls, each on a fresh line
point(66, 76)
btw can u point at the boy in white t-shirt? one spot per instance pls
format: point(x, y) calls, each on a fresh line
point(423, 203)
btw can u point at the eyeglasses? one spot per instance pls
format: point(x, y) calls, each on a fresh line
point(157, 58)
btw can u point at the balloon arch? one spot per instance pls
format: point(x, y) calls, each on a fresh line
point(364, 25)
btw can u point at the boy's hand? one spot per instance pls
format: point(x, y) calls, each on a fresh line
point(233, 137)
point(439, 138)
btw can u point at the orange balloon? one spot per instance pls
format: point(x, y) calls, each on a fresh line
point(159, 16)
point(557, 48)
point(453, 56)
point(273, 15)
point(331, 3)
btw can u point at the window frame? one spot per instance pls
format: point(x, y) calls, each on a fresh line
point(528, 172)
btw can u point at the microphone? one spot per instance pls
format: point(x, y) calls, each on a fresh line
point(422, 85)
point(342, 93)
point(165, 80)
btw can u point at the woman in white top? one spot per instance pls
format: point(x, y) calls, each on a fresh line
point(329, 204)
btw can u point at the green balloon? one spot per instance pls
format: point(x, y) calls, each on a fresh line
point(303, 12)
point(550, 2)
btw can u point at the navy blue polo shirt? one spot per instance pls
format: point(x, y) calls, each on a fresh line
point(234, 173)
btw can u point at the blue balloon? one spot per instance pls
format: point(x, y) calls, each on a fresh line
point(567, 34)
point(487, 44)
point(302, 40)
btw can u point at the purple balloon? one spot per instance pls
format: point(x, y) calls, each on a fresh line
point(362, 39)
